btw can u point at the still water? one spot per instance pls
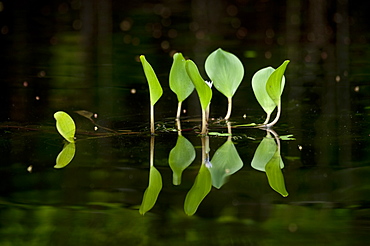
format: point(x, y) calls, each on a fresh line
point(83, 55)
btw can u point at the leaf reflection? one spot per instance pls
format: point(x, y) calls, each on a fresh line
point(181, 156)
point(200, 189)
point(66, 155)
point(225, 162)
point(155, 184)
point(267, 159)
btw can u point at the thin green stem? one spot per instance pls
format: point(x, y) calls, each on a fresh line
point(276, 117)
point(178, 110)
point(151, 119)
point(204, 122)
point(267, 119)
point(151, 160)
point(229, 107)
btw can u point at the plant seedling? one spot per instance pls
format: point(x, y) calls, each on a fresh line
point(155, 88)
point(203, 89)
point(180, 83)
point(268, 85)
point(226, 71)
point(65, 126)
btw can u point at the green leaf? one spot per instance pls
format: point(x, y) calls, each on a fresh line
point(66, 155)
point(219, 134)
point(275, 84)
point(181, 156)
point(155, 88)
point(225, 70)
point(287, 137)
point(65, 126)
point(259, 81)
point(180, 82)
point(225, 162)
point(152, 192)
point(204, 91)
point(275, 175)
point(202, 186)
point(264, 152)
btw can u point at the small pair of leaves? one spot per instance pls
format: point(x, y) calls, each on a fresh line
point(152, 192)
point(65, 126)
point(155, 88)
point(267, 159)
point(268, 85)
point(203, 89)
point(180, 82)
point(181, 156)
point(225, 70)
point(225, 162)
point(200, 189)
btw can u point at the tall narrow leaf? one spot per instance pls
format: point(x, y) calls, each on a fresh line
point(225, 70)
point(275, 175)
point(275, 85)
point(202, 186)
point(155, 88)
point(152, 192)
point(203, 89)
point(180, 82)
point(65, 126)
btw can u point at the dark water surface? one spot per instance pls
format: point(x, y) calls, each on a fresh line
point(83, 55)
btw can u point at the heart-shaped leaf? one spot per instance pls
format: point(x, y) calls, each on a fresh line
point(225, 70)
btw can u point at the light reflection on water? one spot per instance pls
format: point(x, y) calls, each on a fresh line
point(71, 65)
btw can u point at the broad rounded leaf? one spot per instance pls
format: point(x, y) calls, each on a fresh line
point(264, 152)
point(200, 189)
point(181, 156)
point(66, 155)
point(225, 162)
point(180, 82)
point(204, 91)
point(259, 81)
point(275, 83)
point(65, 126)
point(152, 192)
point(225, 70)
point(155, 88)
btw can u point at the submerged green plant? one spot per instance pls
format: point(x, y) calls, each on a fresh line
point(155, 88)
point(226, 71)
point(203, 89)
point(65, 126)
point(180, 83)
point(268, 85)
